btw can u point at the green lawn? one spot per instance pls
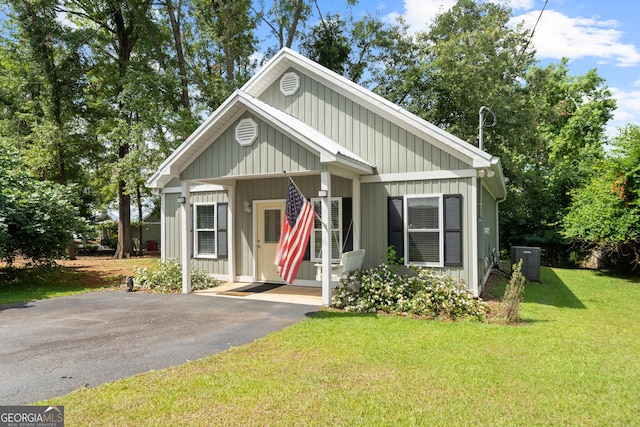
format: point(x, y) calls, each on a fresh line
point(574, 361)
point(87, 274)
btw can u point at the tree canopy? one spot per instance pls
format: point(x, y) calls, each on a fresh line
point(94, 94)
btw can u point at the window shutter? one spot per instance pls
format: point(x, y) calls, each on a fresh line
point(222, 235)
point(452, 230)
point(347, 225)
point(395, 225)
point(193, 242)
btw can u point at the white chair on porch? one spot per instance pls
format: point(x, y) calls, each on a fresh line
point(349, 261)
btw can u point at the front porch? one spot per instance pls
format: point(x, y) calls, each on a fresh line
point(254, 207)
point(283, 293)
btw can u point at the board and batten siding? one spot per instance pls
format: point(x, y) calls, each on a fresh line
point(374, 222)
point(173, 218)
point(274, 189)
point(272, 152)
point(250, 190)
point(488, 241)
point(382, 143)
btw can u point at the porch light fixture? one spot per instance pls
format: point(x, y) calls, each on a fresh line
point(483, 172)
point(181, 199)
point(247, 206)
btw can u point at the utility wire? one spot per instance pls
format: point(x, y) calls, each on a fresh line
point(526, 46)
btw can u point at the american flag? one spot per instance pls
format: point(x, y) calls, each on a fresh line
point(294, 235)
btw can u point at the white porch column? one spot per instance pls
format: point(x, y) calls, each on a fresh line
point(475, 273)
point(355, 212)
point(185, 231)
point(163, 225)
point(231, 210)
point(325, 185)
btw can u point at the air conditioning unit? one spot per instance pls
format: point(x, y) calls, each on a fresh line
point(530, 261)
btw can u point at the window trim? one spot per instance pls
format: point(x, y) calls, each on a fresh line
point(339, 230)
point(440, 229)
point(196, 230)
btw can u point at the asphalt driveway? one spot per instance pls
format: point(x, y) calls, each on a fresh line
point(51, 347)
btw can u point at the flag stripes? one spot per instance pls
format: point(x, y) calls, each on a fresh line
point(294, 235)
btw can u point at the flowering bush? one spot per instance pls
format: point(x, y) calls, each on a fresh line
point(166, 277)
point(421, 293)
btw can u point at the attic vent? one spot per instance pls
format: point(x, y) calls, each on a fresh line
point(289, 83)
point(246, 132)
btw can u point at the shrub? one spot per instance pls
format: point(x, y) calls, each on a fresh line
point(513, 293)
point(37, 218)
point(422, 293)
point(166, 277)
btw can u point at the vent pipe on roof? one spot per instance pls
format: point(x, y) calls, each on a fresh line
point(481, 115)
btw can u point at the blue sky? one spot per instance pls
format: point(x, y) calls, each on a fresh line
point(592, 33)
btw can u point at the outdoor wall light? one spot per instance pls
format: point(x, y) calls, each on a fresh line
point(483, 172)
point(182, 199)
point(246, 206)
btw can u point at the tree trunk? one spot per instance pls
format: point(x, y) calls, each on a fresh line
point(294, 23)
point(127, 36)
point(177, 36)
point(125, 241)
point(227, 42)
point(139, 197)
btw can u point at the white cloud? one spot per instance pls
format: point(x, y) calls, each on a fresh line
point(420, 13)
point(519, 4)
point(558, 35)
point(628, 103)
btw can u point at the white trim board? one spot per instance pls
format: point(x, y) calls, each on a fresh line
point(419, 176)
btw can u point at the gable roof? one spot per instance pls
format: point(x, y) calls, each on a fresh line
point(329, 151)
point(238, 103)
point(287, 58)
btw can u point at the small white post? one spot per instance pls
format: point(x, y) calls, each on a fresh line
point(231, 208)
point(185, 251)
point(355, 212)
point(325, 185)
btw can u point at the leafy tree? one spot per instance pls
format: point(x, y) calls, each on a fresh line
point(37, 218)
point(127, 86)
point(605, 213)
point(349, 47)
point(570, 113)
point(327, 44)
point(223, 47)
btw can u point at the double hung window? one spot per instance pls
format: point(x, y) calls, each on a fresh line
point(424, 242)
point(426, 230)
point(205, 230)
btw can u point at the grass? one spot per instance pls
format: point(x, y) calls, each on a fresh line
point(575, 360)
point(35, 283)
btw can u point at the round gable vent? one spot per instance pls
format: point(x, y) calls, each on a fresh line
point(246, 131)
point(289, 83)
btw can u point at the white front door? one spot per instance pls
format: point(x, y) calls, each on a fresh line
point(269, 222)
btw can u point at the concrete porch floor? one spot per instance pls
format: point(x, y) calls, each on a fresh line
point(286, 293)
